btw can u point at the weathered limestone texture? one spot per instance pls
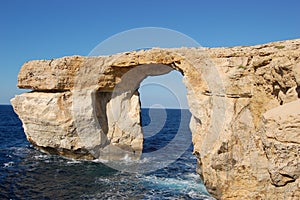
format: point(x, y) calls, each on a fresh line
point(244, 102)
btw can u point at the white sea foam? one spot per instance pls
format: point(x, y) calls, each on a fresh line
point(100, 161)
point(191, 185)
point(8, 164)
point(102, 180)
point(195, 195)
point(73, 161)
point(41, 157)
point(192, 176)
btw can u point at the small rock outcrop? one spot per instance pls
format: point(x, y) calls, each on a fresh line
point(245, 105)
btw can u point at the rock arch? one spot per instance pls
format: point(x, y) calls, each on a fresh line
point(122, 101)
point(235, 96)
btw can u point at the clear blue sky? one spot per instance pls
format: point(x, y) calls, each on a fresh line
point(36, 29)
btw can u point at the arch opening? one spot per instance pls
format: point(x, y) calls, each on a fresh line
point(120, 116)
point(164, 113)
point(163, 108)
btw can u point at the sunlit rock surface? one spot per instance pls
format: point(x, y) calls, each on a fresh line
point(244, 103)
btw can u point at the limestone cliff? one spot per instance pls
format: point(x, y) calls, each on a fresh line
point(244, 103)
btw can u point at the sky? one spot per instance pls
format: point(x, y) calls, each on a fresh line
point(35, 29)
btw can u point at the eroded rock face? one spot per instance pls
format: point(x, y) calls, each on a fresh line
point(280, 137)
point(244, 103)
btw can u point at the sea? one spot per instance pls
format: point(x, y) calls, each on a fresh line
point(27, 173)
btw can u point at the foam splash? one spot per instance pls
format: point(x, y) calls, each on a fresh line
point(73, 161)
point(8, 164)
point(190, 184)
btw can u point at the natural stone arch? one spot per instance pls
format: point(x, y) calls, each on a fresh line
point(253, 154)
point(128, 72)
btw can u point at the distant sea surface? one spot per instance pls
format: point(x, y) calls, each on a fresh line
point(26, 173)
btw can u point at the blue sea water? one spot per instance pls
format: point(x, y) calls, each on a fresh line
point(26, 173)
